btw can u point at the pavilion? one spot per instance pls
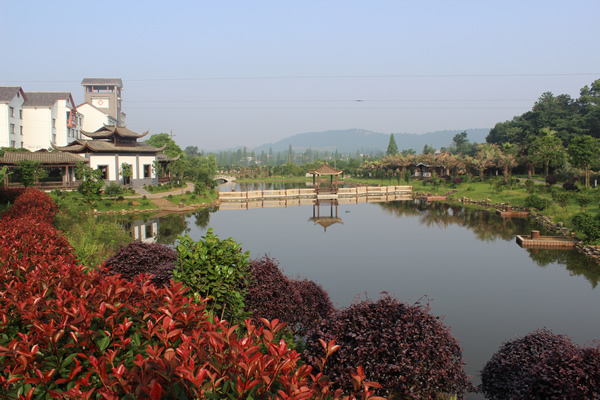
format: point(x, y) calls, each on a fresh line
point(326, 170)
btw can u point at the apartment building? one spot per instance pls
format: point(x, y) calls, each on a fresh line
point(11, 116)
point(49, 118)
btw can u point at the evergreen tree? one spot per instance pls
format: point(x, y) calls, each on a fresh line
point(392, 148)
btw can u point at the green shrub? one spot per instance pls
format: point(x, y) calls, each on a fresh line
point(537, 202)
point(216, 270)
point(170, 196)
point(113, 189)
point(588, 225)
point(120, 198)
point(130, 203)
point(530, 186)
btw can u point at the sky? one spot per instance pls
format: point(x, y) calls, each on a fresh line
point(220, 74)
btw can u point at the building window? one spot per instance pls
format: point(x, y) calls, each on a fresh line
point(12, 111)
point(54, 138)
point(104, 169)
point(20, 114)
point(13, 144)
point(54, 122)
point(12, 129)
point(21, 129)
point(146, 170)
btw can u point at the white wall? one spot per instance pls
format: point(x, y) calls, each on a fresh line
point(94, 119)
point(6, 137)
point(37, 127)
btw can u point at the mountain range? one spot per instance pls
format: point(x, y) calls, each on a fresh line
point(350, 141)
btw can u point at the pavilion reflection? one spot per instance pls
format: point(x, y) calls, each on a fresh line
point(322, 218)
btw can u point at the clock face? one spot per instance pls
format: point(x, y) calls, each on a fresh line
point(100, 103)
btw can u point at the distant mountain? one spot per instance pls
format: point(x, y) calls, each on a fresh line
point(350, 140)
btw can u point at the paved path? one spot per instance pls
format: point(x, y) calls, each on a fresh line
point(142, 192)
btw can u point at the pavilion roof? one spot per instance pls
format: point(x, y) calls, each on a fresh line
point(109, 131)
point(325, 170)
point(103, 146)
point(45, 157)
point(102, 81)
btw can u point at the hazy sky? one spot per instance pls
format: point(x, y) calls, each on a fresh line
point(227, 73)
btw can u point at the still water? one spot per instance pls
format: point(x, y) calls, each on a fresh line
point(466, 263)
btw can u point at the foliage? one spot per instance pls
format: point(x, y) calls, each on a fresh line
point(542, 365)
point(537, 202)
point(70, 333)
point(563, 199)
point(159, 140)
point(583, 200)
point(547, 150)
point(301, 303)
point(113, 189)
point(583, 153)
point(408, 350)
point(216, 270)
point(138, 258)
point(551, 180)
point(570, 186)
point(407, 176)
point(126, 172)
point(588, 225)
point(530, 186)
point(91, 182)
point(392, 148)
point(28, 171)
point(3, 174)
point(457, 180)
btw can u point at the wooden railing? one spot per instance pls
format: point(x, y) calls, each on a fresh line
point(312, 193)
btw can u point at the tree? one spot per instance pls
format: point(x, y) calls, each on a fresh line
point(392, 148)
point(30, 171)
point(583, 153)
point(161, 139)
point(547, 150)
point(91, 182)
point(126, 173)
point(428, 149)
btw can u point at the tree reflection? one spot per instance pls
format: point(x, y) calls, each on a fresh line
point(171, 226)
point(489, 227)
point(203, 216)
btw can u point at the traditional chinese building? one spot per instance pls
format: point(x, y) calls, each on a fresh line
point(112, 148)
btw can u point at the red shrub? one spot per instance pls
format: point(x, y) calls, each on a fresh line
point(406, 349)
point(72, 334)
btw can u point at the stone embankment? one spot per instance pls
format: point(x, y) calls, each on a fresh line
point(545, 221)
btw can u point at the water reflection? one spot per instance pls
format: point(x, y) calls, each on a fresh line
point(322, 218)
point(488, 227)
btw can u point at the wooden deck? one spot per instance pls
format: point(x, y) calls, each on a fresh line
point(290, 194)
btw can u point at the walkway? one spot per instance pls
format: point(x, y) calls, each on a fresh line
point(160, 201)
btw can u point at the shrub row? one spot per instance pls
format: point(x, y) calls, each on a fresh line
point(70, 333)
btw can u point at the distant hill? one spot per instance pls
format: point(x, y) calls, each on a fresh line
point(350, 140)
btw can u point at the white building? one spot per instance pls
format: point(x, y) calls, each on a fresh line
point(111, 147)
point(104, 94)
point(49, 119)
point(94, 118)
point(11, 116)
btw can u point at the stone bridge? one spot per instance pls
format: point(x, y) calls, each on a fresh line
point(224, 178)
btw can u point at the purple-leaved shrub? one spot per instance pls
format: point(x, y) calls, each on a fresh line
point(403, 347)
point(144, 258)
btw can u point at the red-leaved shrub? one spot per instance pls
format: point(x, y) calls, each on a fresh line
point(138, 258)
point(403, 347)
point(542, 365)
point(71, 333)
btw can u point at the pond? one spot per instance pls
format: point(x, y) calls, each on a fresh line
point(466, 262)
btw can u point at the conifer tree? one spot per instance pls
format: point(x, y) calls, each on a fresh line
point(392, 148)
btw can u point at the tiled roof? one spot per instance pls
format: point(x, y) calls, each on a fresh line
point(102, 81)
point(55, 158)
point(43, 99)
point(7, 93)
point(108, 131)
point(102, 146)
point(325, 170)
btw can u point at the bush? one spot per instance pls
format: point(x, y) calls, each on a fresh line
point(588, 225)
point(530, 186)
point(551, 180)
point(313, 307)
point(71, 333)
point(138, 258)
point(457, 181)
point(120, 198)
point(533, 201)
point(542, 365)
point(584, 200)
point(113, 189)
point(570, 186)
point(403, 347)
point(216, 270)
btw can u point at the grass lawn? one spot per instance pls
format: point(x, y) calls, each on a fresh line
point(189, 198)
